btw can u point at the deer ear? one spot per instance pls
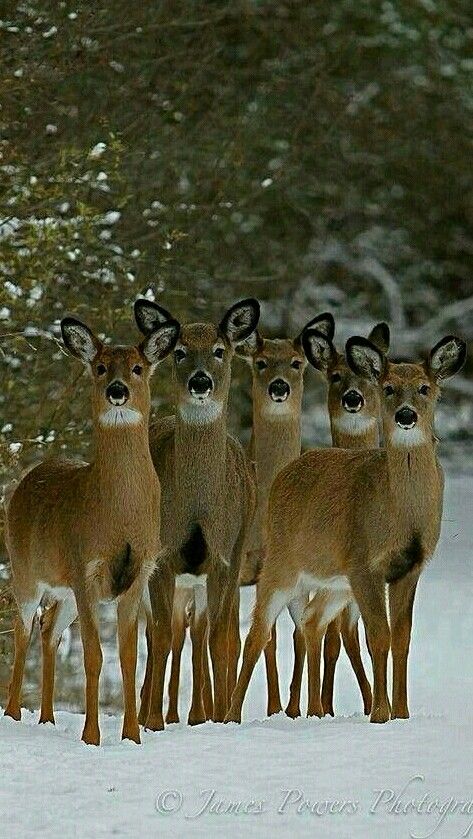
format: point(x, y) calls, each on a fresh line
point(159, 343)
point(240, 321)
point(364, 358)
point(380, 336)
point(318, 349)
point(80, 340)
point(324, 324)
point(447, 357)
point(249, 347)
point(149, 316)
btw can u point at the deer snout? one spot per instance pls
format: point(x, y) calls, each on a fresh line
point(117, 393)
point(279, 390)
point(406, 417)
point(200, 384)
point(352, 401)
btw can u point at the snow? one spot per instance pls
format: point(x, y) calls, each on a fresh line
point(376, 780)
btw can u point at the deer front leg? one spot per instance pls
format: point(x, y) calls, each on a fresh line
point(220, 600)
point(92, 664)
point(145, 692)
point(127, 613)
point(351, 642)
point(401, 604)
point(332, 646)
point(177, 643)
point(161, 587)
point(234, 646)
point(296, 609)
point(272, 677)
point(369, 591)
point(198, 631)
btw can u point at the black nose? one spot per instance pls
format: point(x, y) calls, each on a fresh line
point(406, 417)
point(279, 390)
point(352, 400)
point(200, 384)
point(117, 393)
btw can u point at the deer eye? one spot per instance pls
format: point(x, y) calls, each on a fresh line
point(424, 390)
point(219, 352)
point(296, 364)
point(388, 390)
point(261, 364)
point(335, 378)
point(101, 369)
point(179, 355)
point(137, 370)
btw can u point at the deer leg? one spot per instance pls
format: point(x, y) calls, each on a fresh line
point(52, 624)
point(127, 614)
point(324, 608)
point(351, 642)
point(272, 677)
point(92, 664)
point(234, 646)
point(22, 631)
point(401, 604)
point(198, 630)
point(220, 596)
point(332, 646)
point(369, 591)
point(206, 679)
point(178, 633)
point(162, 586)
point(145, 691)
point(296, 609)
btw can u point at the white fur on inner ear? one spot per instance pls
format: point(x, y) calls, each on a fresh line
point(367, 360)
point(240, 321)
point(446, 357)
point(79, 340)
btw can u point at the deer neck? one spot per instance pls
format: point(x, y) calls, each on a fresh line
point(414, 483)
point(344, 438)
point(200, 451)
point(274, 443)
point(122, 464)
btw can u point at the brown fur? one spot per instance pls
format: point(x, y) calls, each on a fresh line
point(88, 532)
point(206, 485)
point(336, 514)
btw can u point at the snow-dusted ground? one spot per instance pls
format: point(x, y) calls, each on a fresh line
point(54, 785)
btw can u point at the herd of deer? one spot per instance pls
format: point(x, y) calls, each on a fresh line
point(171, 519)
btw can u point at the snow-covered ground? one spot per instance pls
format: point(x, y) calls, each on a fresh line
point(277, 777)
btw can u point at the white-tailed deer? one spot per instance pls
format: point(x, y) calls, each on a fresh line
point(207, 501)
point(354, 411)
point(344, 523)
point(81, 533)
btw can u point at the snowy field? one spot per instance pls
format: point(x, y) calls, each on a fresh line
point(277, 777)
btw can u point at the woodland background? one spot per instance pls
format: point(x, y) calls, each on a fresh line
point(314, 155)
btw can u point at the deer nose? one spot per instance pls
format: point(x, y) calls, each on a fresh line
point(200, 384)
point(406, 417)
point(279, 390)
point(352, 401)
point(117, 393)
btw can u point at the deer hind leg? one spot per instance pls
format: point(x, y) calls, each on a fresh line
point(267, 608)
point(54, 621)
point(351, 642)
point(199, 634)
point(178, 632)
point(127, 623)
point(272, 677)
point(369, 592)
point(92, 664)
point(323, 608)
point(332, 646)
point(401, 603)
point(234, 646)
point(145, 691)
point(22, 631)
point(296, 609)
point(162, 595)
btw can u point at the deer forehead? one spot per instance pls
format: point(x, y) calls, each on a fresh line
point(405, 375)
point(120, 357)
point(200, 337)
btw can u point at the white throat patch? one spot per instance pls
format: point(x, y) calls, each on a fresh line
point(407, 436)
point(274, 410)
point(119, 416)
point(353, 423)
point(200, 413)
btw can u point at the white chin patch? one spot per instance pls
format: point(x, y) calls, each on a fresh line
point(273, 409)
point(117, 416)
point(407, 436)
point(353, 423)
point(200, 411)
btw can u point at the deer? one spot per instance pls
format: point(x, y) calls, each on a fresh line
point(343, 524)
point(354, 414)
point(208, 499)
point(80, 533)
